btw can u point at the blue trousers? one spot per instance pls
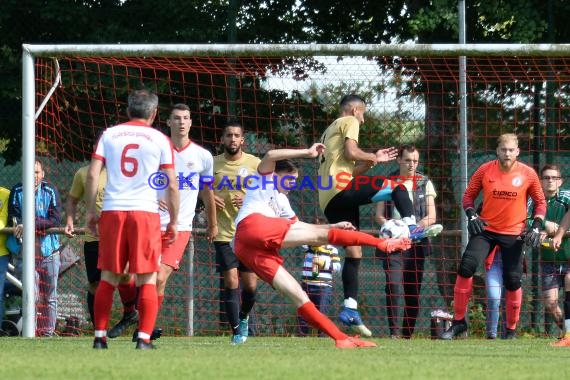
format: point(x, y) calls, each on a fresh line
point(47, 273)
point(494, 290)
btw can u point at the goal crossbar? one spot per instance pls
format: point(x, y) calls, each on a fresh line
point(298, 49)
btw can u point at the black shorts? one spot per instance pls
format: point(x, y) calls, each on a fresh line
point(553, 275)
point(226, 259)
point(91, 254)
point(345, 206)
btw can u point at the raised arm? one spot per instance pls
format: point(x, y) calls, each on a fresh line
point(267, 164)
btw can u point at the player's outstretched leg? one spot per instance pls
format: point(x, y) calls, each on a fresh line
point(315, 318)
point(285, 283)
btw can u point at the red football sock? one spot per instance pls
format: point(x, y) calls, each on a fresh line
point(347, 238)
point(513, 300)
point(461, 294)
point(103, 305)
point(128, 293)
point(148, 308)
point(315, 318)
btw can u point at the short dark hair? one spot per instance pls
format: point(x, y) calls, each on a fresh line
point(550, 167)
point(287, 166)
point(179, 107)
point(349, 99)
point(232, 124)
point(406, 148)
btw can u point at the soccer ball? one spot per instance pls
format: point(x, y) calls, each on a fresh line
point(394, 229)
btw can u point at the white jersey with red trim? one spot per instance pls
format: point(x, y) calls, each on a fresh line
point(132, 153)
point(262, 197)
point(194, 169)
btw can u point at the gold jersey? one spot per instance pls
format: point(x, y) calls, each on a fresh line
point(333, 164)
point(78, 191)
point(231, 179)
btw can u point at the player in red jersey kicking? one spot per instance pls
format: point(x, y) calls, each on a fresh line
point(266, 223)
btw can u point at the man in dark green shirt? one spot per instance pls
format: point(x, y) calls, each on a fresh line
point(555, 265)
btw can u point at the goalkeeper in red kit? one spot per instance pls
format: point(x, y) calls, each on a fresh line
point(505, 185)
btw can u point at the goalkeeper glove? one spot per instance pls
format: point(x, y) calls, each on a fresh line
point(475, 225)
point(532, 235)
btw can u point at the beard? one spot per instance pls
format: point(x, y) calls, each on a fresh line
point(231, 151)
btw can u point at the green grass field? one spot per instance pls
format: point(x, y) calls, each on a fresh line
point(282, 358)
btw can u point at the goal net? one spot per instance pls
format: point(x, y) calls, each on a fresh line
point(285, 96)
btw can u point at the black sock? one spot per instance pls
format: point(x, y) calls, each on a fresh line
point(350, 277)
point(247, 302)
point(231, 299)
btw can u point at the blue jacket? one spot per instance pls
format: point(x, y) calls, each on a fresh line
point(48, 214)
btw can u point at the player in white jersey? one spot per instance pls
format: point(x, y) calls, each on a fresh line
point(194, 170)
point(266, 223)
point(129, 224)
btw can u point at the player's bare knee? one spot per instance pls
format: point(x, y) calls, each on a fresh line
point(550, 302)
point(353, 252)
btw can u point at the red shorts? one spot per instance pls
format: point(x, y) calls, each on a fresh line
point(172, 254)
point(257, 242)
point(131, 237)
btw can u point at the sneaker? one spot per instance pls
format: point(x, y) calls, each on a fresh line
point(244, 328)
point(351, 318)
point(394, 245)
point(419, 233)
point(156, 333)
point(237, 339)
point(142, 345)
point(564, 342)
point(457, 328)
point(100, 344)
point(354, 342)
point(510, 334)
point(127, 320)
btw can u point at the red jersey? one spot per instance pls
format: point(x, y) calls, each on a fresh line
point(505, 196)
